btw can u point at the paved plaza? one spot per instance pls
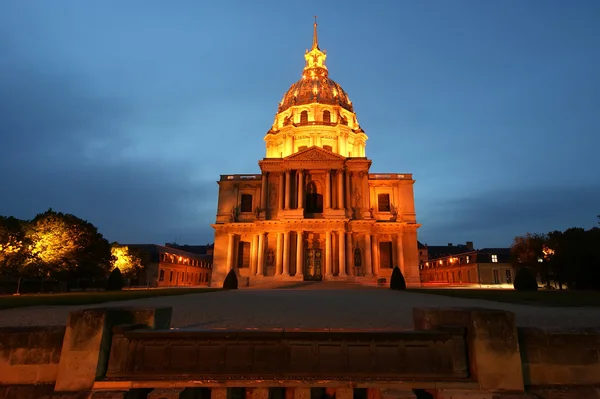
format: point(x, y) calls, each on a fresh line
point(316, 305)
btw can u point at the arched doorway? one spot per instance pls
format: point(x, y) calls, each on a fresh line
point(314, 200)
point(313, 264)
point(358, 269)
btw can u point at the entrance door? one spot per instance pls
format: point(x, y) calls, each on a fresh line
point(313, 265)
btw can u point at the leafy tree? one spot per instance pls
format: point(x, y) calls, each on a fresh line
point(397, 281)
point(14, 247)
point(527, 250)
point(128, 260)
point(64, 246)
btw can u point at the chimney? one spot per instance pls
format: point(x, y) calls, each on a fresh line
point(449, 244)
point(470, 245)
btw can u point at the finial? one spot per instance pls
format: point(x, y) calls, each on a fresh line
point(315, 39)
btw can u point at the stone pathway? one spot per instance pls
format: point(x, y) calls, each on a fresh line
point(312, 305)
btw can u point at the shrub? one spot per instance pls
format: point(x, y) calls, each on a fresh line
point(525, 280)
point(231, 281)
point(397, 281)
point(115, 280)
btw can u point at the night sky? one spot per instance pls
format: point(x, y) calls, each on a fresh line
point(125, 113)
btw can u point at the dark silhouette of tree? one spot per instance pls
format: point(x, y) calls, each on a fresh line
point(397, 281)
point(115, 280)
point(525, 280)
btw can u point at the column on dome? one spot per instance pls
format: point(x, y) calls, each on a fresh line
point(287, 188)
point(289, 144)
point(328, 190)
point(342, 253)
point(281, 191)
point(286, 253)
point(300, 189)
point(278, 255)
point(340, 187)
point(261, 255)
point(263, 192)
point(368, 259)
point(299, 253)
point(328, 271)
point(230, 249)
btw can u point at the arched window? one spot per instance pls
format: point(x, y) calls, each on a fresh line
point(326, 116)
point(304, 117)
point(314, 200)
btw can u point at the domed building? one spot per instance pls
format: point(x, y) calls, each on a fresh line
point(315, 212)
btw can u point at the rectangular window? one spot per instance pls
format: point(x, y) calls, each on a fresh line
point(495, 258)
point(244, 254)
point(383, 202)
point(171, 276)
point(468, 276)
point(496, 277)
point(508, 276)
point(161, 276)
point(246, 203)
point(459, 276)
point(468, 259)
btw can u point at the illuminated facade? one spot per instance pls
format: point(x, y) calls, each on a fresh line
point(315, 212)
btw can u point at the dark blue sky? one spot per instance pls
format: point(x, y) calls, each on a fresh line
point(125, 113)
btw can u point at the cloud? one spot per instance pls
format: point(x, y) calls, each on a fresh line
point(493, 218)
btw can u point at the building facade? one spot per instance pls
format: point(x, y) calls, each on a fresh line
point(172, 267)
point(462, 265)
point(315, 212)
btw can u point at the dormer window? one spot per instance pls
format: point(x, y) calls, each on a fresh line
point(326, 116)
point(304, 117)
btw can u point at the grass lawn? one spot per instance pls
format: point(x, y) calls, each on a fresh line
point(551, 298)
point(93, 297)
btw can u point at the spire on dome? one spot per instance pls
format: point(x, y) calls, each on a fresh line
point(315, 58)
point(315, 37)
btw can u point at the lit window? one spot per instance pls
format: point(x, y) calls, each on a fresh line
point(495, 258)
point(383, 202)
point(468, 259)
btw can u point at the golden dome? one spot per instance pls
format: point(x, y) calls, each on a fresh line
point(315, 85)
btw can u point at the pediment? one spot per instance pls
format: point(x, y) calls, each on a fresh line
point(314, 153)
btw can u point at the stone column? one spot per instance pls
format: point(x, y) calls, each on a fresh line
point(278, 255)
point(340, 184)
point(286, 253)
point(281, 192)
point(300, 188)
point(376, 265)
point(366, 192)
point(300, 254)
point(230, 249)
point(261, 255)
point(349, 254)
point(253, 252)
point(287, 189)
point(400, 260)
point(263, 192)
point(328, 254)
point(342, 252)
point(368, 267)
point(328, 190)
point(348, 190)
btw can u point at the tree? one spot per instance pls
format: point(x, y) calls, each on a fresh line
point(527, 250)
point(64, 246)
point(14, 251)
point(231, 281)
point(115, 280)
point(525, 280)
point(126, 259)
point(397, 281)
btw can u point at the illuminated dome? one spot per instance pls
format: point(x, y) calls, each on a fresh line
point(315, 111)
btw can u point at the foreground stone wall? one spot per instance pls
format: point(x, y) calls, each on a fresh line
point(560, 356)
point(30, 355)
point(454, 353)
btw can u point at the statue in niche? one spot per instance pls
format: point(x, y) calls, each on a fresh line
point(272, 196)
point(232, 216)
point(372, 212)
point(270, 258)
point(257, 212)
